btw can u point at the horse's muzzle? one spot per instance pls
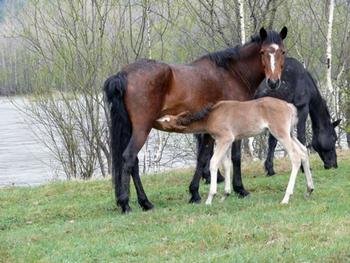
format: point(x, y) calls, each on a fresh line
point(273, 84)
point(330, 166)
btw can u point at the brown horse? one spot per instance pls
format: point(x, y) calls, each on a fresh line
point(228, 121)
point(146, 90)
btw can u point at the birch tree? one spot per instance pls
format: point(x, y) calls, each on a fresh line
point(330, 88)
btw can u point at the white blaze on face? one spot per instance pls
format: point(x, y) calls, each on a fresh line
point(272, 54)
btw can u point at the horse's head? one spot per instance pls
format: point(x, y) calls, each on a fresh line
point(272, 54)
point(323, 142)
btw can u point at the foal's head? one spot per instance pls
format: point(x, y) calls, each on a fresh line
point(272, 55)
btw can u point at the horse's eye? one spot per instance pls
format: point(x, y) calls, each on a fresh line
point(283, 52)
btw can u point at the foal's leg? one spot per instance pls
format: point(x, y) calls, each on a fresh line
point(306, 164)
point(222, 146)
point(205, 150)
point(227, 163)
point(294, 156)
point(270, 155)
point(237, 179)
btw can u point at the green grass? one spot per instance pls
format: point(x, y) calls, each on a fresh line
point(78, 221)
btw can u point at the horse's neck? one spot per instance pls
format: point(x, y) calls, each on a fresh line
point(249, 67)
point(319, 114)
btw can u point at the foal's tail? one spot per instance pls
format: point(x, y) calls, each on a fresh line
point(119, 123)
point(191, 118)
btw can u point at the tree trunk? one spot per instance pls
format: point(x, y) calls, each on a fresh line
point(329, 53)
point(241, 20)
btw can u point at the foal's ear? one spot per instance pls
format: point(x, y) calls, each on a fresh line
point(263, 34)
point(283, 33)
point(336, 123)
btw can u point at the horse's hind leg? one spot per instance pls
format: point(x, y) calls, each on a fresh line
point(129, 162)
point(141, 195)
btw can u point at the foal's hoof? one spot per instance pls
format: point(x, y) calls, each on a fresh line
point(146, 205)
point(195, 199)
point(308, 193)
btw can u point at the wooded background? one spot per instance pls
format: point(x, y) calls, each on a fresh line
point(59, 52)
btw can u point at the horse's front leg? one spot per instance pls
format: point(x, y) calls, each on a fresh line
point(301, 126)
point(205, 146)
point(237, 178)
point(270, 155)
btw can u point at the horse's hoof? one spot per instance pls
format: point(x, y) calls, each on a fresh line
point(270, 173)
point(124, 205)
point(126, 209)
point(146, 205)
point(242, 192)
point(284, 202)
point(195, 199)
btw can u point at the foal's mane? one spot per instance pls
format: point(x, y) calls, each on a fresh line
point(223, 58)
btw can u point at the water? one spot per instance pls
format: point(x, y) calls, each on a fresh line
point(23, 159)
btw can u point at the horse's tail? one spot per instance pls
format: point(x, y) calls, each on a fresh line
point(119, 124)
point(200, 115)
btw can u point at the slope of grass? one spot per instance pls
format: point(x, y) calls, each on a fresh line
point(78, 221)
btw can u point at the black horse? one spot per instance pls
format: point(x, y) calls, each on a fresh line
point(298, 87)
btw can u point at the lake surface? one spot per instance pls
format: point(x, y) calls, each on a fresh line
point(23, 159)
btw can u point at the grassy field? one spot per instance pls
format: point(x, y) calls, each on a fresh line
point(78, 221)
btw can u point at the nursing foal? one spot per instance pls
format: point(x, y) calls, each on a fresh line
point(228, 121)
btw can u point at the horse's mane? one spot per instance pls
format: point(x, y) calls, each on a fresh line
point(224, 57)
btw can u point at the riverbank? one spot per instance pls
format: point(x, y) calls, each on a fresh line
point(78, 221)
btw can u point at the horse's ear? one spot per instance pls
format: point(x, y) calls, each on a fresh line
point(336, 123)
point(263, 34)
point(283, 33)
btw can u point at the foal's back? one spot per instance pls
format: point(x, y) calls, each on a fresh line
point(249, 118)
